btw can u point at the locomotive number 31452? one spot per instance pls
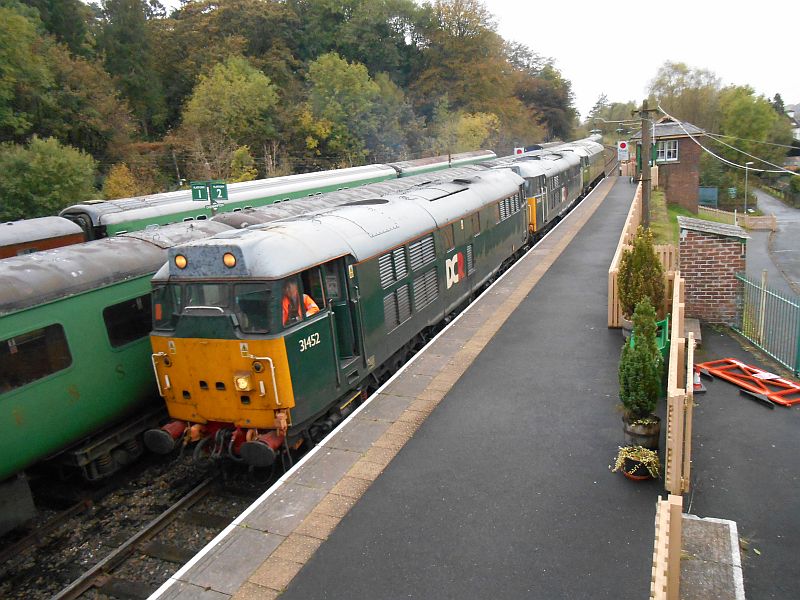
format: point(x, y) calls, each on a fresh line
point(309, 342)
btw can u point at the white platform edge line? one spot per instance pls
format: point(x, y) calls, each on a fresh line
point(275, 486)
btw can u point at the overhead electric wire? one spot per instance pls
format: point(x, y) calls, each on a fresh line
point(725, 160)
point(733, 137)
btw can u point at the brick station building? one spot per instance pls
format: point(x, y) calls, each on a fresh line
point(678, 160)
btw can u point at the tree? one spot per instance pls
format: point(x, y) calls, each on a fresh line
point(243, 167)
point(42, 178)
point(777, 104)
point(25, 77)
point(230, 107)
point(640, 365)
point(689, 94)
point(119, 183)
point(343, 95)
point(67, 21)
point(126, 43)
point(86, 111)
point(462, 56)
point(462, 131)
point(752, 119)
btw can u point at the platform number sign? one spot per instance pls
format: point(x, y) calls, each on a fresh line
point(219, 191)
point(623, 152)
point(209, 190)
point(199, 190)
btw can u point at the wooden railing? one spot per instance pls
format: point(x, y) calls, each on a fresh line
point(762, 223)
point(665, 581)
point(666, 574)
point(680, 397)
point(667, 254)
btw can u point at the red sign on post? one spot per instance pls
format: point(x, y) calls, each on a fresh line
point(622, 151)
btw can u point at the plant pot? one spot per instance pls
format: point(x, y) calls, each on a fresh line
point(635, 470)
point(639, 434)
point(626, 327)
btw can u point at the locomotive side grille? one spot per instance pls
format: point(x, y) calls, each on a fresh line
point(470, 260)
point(426, 289)
point(396, 307)
point(399, 259)
point(390, 311)
point(386, 270)
point(421, 252)
point(403, 303)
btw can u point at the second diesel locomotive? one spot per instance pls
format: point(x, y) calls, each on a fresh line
point(247, 370)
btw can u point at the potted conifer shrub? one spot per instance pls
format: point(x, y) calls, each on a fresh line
point(640, 276)
point(640, 370)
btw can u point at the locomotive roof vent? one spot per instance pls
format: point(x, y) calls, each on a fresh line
point(466, 181)
point(368, 202)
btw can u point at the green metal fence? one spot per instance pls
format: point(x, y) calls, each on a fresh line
point(771, 321)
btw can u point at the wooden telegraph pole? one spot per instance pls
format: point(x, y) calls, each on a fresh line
point(646, 156)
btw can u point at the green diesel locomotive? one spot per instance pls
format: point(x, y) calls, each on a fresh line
point(267, 337)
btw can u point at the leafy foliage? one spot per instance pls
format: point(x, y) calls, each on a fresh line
point(640, 365)
point(304, 84)
point(640, 274)
point(119, 183)
point(43, 178)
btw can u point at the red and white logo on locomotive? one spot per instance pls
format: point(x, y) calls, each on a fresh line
point(454, 269)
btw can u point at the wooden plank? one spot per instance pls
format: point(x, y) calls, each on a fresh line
point(675, 504)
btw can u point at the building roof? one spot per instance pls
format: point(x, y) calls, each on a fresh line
point(712, 227)
point(669, 128)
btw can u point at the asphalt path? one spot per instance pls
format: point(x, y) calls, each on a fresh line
point(784, 245)
point(744, 468)
point(505, 490)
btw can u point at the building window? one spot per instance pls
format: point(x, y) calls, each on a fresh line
point(667, 150)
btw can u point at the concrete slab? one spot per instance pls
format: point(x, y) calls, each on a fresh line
point(325, 468)
point(385, 407)
point(188, 591)
point(711, 566)
point(359, 437)
point(286, 509)
point(228, 565)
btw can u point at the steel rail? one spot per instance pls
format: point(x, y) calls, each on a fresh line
point(89, 579)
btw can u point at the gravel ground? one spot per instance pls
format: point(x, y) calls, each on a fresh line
point(87, 538)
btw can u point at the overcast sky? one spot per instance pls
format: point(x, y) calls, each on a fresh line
point(599, 46)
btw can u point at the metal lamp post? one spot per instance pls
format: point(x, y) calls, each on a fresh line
point(746, 167)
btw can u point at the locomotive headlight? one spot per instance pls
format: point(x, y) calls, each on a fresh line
point(180, 261)
point(243, 382)
point(229, 260)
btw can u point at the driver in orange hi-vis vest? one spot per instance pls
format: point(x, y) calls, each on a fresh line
point(292, 310)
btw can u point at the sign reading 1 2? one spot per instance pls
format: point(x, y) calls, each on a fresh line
point(454, 268)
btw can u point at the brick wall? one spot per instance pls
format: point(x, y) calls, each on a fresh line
point(709, 263)
point(680, 180)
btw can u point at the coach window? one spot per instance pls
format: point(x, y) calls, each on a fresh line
point(30, 356)
point(448, 237)
point(127, 321)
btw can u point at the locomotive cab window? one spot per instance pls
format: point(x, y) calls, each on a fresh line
point(303, 297)
point(127, 321)
point(31, 356)
point(448, 237)
point(252, 306)
point(166, 306)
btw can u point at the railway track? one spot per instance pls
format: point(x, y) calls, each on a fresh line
point(138, 566)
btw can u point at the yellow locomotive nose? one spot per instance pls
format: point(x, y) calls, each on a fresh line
point(225, 381)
